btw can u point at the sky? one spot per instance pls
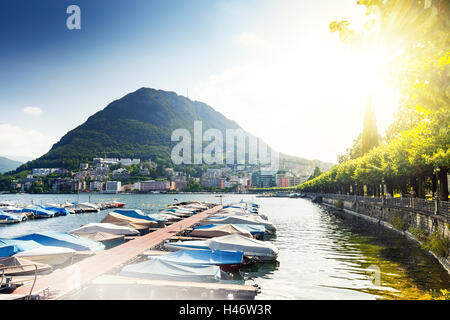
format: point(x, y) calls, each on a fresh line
point(272, 66)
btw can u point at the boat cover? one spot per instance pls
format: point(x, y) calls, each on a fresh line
point(58, 211)
point(138, 214)
point(218, 230)
point(250, 247)
point(238, 219)
point(100, 236)
point(165, 270)
point(9, 217)
point(21, 267)
point(9, 247)
point(254, 229)
point(107, 228)
point(202, 257)
point(186, 245)
point(37, 211)
point(121, 220)
point(63, 239)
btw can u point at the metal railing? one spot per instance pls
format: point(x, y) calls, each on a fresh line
point(431, 207)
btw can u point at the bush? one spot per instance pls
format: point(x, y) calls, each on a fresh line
point(437, 244)
point(399, 222)
point(420, 234)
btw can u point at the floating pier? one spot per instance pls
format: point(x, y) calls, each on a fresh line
point(63, 282)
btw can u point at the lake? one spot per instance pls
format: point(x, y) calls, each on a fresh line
point(323, 255)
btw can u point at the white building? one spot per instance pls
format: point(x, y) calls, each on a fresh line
point(113, 186)
point(152, 185)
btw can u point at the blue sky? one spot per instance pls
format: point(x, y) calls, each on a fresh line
point(238, 56)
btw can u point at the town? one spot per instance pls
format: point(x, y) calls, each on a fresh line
point(114, 175)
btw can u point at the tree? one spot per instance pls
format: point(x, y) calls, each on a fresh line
point(316, 173)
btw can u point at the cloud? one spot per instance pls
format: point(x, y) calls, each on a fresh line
point(32, 111)
point(17, 141)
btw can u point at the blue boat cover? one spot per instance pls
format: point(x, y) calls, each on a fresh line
point(138, 214)
point(58, 211)
point(9, 216)
point(202, 257)
point(39, 212)
point(165, 270)
point(63, 239)
point(10, 247)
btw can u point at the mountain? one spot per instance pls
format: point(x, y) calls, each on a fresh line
point(139, 125)
point(7, 165)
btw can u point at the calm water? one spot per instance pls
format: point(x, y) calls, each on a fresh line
point(322, 255)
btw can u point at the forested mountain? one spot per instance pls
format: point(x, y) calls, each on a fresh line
point(139, 125)
point(8, 164)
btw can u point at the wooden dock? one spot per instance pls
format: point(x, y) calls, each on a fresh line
point(62, 282)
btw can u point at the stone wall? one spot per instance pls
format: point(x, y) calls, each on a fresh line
point(385, 215)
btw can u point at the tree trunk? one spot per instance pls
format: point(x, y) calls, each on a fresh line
point(443, 182)
point(421, 187)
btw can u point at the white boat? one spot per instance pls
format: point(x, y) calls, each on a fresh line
point(241, 219)
point(252, 248)
point(105, 227)
point(218, 230)
point(262, 250)
point(88, 207)
point(47, 254)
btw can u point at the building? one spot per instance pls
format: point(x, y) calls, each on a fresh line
point(264, 179)
point(113, 186)
point(212, 183)
point(129, 162)
point(152, 185)
point(96, 186)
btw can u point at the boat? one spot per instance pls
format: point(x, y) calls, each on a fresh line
point(226, 260)
point(187, 245)
point(63, 239)
point(158, 269)
point(257, 231)
point(109, 240)
point(121, 220)
point(118, 204)
point(9, 218)
point(106, 228)
point(218, 230)
point(35, 252)
point(252, 248)
point(37, 212)
point(58, 211)
point(138, 214)
point(238, 219)
point(47, 254)
point(88, 207)
point(16, 266)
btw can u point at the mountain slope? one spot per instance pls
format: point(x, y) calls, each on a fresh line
point(8, 164)
point(139, 125)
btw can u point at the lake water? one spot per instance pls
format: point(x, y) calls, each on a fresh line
point(322, 255)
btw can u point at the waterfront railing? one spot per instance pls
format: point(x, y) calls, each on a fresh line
point(431, 207)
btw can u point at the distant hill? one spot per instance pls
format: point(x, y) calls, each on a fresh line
point(8, 164)
point(139, 125)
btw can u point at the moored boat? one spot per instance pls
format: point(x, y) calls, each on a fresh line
point(63, 239)
point(166, 270)
point(226, 260)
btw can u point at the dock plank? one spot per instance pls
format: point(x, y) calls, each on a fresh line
point(63, 281)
